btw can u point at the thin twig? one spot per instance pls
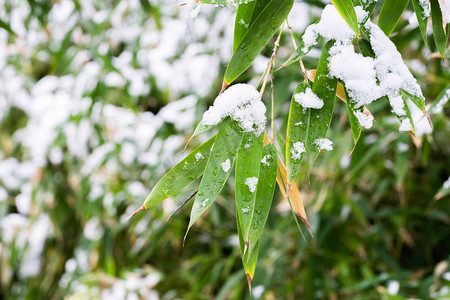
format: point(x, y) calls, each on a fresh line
point(182, 204)
point(295, 45)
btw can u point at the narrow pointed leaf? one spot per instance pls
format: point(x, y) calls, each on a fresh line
point(201, 128)
point(438, 27)
point(419, 101)
point(257, 36)
point(259, 7)
point(217, 169)
point(294, 135)
point(247, 178)
point(264, 194)
point(248, 259)
point(298, 53)
point(223, 2)
point(390, 14)
point(319, 119)
point(354, 123)
point(422, 18)
point(365, 48)
point(185, 172)
point(347, 11)
point(242, 22)
point(294, 194)
point(405, 115)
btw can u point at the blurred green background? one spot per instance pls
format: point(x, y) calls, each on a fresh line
point(97, 100)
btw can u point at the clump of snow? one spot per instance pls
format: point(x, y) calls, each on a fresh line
point(363, 119)
point(308, 99)
point(324, 144)
point(297, 149)
point(405, 125)
point(199, 156)
point(421, 124)
point(226, 165)
point(242, 103)
point(425, 4)
point(330, 26)
point(445, 8)
point(264, 160)
point(361, 15)
point(251, 182)
point(194, 13)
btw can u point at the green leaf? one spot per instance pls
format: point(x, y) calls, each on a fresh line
point(417, 100)
point(406, 115)
point(242, 22)
point(249, 259)
point(325, 88)
point(185, 172)
point(217, 169)
point(366, 48)
point(422, 18)
point(390, 14)
point(223, 2)
point(293, 134)
point(354, 122)
point(347, 11)
point(298, 53)
point(264, 194)
point(438, 28)
point(201, 128)
point(257, 36)
point(247, 175)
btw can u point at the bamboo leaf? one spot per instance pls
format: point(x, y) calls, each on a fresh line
point(257, 36)
point(347, 11)
point(295, 134)
point(217, 169)
point(365, 48)
point(298, 53)
point(319, 120)
point(200, 128)
point(185, 172)
point(354, 122)
point(247, 178)
point(438, 28)
point(422, 18)
point(417, 100)
point(390, 14)
point(242, 22)
point(264, 194)
point(294, 194)
point(249, 259)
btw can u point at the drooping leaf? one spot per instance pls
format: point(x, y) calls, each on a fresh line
point(419, 101)
point(422, 18)
point(185, 172)
point(298, 53)
point(390, 14)
point(354, 122)
point(264, 194)
point(223, 2)
point(242, 22)
point(294, 194)
point(217, 169)
point(347, 11)
point(248, 259)
point(201, 128)
point(257, 36)
point(319, 120)
point(247, 178)
point(293, 135)
point(438, 27)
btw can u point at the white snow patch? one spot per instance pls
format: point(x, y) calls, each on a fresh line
point(445, 8)
point(308, 99)
point(251, 182)
point(446, 184)
point(297, 149)
point(264, 160)
point(199, 156)
point(425, 4)
point(405, 125)
point(393, 287)
point(324, 144)
point(226, 165)
point(242, 103)
point(363, 119)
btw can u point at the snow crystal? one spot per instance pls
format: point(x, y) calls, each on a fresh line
point(199, 156)
point(324, 144)
point(406, 125)
point(226, 165)
point(251, 182)
point(242, 103)
point(265, 158)
point(445, 8)
point(363, 119)
point(297, 149)
point(330, 26)
point(308, 99)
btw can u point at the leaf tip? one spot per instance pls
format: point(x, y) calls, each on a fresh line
point(224, 86)
point(249, 282)
point(141, 208)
